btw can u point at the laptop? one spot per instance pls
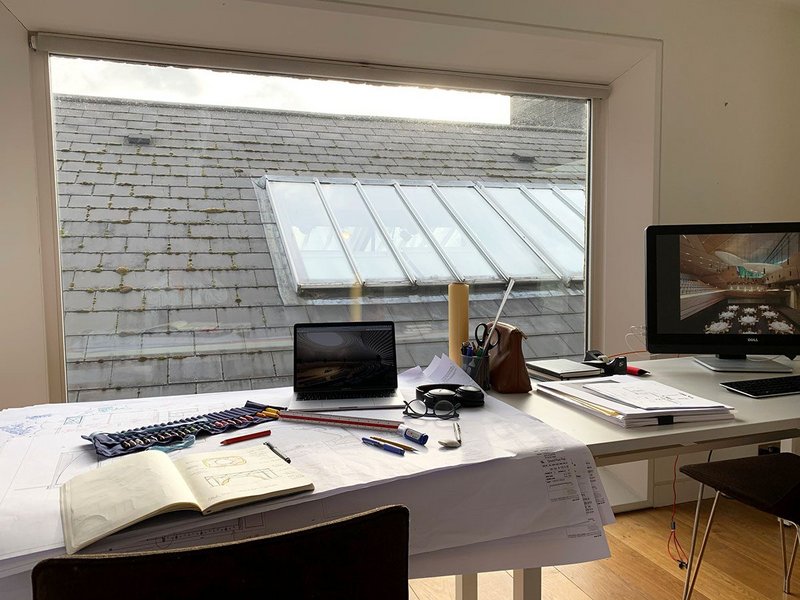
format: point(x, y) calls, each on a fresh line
point(345, 366)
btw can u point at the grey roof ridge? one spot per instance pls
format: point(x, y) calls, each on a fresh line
point(297, 113)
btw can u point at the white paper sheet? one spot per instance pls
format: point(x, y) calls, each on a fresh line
point(443, 370)
point(649, 395)
point(561, 545)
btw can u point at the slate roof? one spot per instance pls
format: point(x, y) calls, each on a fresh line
point(169, 283)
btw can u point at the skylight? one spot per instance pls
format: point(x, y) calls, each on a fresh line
point(338, 233)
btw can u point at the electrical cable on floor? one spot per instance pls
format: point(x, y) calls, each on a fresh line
point(674, 548)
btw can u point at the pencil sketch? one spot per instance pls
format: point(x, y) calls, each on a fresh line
point(223, 461)
point(229, 478)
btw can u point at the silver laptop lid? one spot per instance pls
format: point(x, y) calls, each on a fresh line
point(344, 357)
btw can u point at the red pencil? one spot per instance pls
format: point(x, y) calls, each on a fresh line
point(249, 436)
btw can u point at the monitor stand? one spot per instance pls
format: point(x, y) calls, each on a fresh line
point(742, 364)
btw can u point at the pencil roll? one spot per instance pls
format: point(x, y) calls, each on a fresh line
point(457, 318)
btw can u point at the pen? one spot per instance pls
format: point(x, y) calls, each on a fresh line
point(249, 436)
point(382, 446)
point(637, 371)
point(398, 444)
point(278, 452)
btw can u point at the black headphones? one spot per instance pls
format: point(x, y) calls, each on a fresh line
point(468, 396)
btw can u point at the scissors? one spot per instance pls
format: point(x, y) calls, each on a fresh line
point(481, 331)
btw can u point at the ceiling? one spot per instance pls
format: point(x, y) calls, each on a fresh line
point(749, 247)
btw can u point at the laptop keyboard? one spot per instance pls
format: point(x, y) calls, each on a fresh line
point(344, 395)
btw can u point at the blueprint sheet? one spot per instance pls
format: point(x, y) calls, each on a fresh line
point(523, 478)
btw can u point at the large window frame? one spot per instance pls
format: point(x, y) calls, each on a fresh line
point(47, 44)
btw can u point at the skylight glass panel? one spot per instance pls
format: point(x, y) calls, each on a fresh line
point(577, 197)
point(458, 248)
point(548, 237)
point(373, 257)
point(562, 210)
point(406, 234)
point(506, 248)
point(315, 250)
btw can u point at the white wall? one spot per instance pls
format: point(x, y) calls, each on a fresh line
point(730, 132)
point(729, 136)
point(23, 369)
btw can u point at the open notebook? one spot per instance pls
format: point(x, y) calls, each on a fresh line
point(130, 489)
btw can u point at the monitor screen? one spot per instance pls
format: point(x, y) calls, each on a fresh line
point(729, 290)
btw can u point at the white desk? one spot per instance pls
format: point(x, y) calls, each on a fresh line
point(466, 514)
point(756, 421)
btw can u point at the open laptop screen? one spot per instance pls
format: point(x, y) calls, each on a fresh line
point(344, 357)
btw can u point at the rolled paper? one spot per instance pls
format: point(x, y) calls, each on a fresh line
point(457, 318)
point(355, 306)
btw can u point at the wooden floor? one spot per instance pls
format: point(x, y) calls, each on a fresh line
point(742, 562)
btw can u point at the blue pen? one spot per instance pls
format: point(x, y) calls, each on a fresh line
point(382, 446)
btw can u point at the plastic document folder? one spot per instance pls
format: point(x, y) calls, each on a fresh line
point(630, 402)
point(561, 369)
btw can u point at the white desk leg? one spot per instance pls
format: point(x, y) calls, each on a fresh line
point(792, 445)
point(467, 586)
point(528, 584)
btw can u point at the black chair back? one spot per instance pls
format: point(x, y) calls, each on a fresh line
point(361, 556)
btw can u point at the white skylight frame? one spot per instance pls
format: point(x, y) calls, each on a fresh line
point(555, 269)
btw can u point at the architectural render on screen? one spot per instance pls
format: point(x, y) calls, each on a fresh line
point(730, 290)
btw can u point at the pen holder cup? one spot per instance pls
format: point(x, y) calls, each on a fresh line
point(477, 367)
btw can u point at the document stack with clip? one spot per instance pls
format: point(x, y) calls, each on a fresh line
point(559, 369)
point(631, 402)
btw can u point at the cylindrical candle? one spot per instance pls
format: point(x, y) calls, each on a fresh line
point(457, 318)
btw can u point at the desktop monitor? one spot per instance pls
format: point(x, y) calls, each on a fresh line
point(725, 290)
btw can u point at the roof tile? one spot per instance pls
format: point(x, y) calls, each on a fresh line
point(115, 300)
point(168, 299)
point(126, 373)
point(243, 366)
point(137, 322)
point(190, 279)
point(265, 296)
point(89, 375)
point(162, 344)
point(90, 322)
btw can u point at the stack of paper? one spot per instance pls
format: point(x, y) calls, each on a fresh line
point(633, 402)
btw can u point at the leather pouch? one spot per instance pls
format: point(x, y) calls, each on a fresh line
point(508, 374)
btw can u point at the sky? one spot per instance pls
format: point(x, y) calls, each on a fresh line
point(109, 79)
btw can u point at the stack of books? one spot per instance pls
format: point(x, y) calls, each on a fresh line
point(558, 369)
point(632, 402)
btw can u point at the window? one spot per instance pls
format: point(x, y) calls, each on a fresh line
point(196, 228)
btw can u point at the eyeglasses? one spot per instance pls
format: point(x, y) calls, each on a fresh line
point(441, 409)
